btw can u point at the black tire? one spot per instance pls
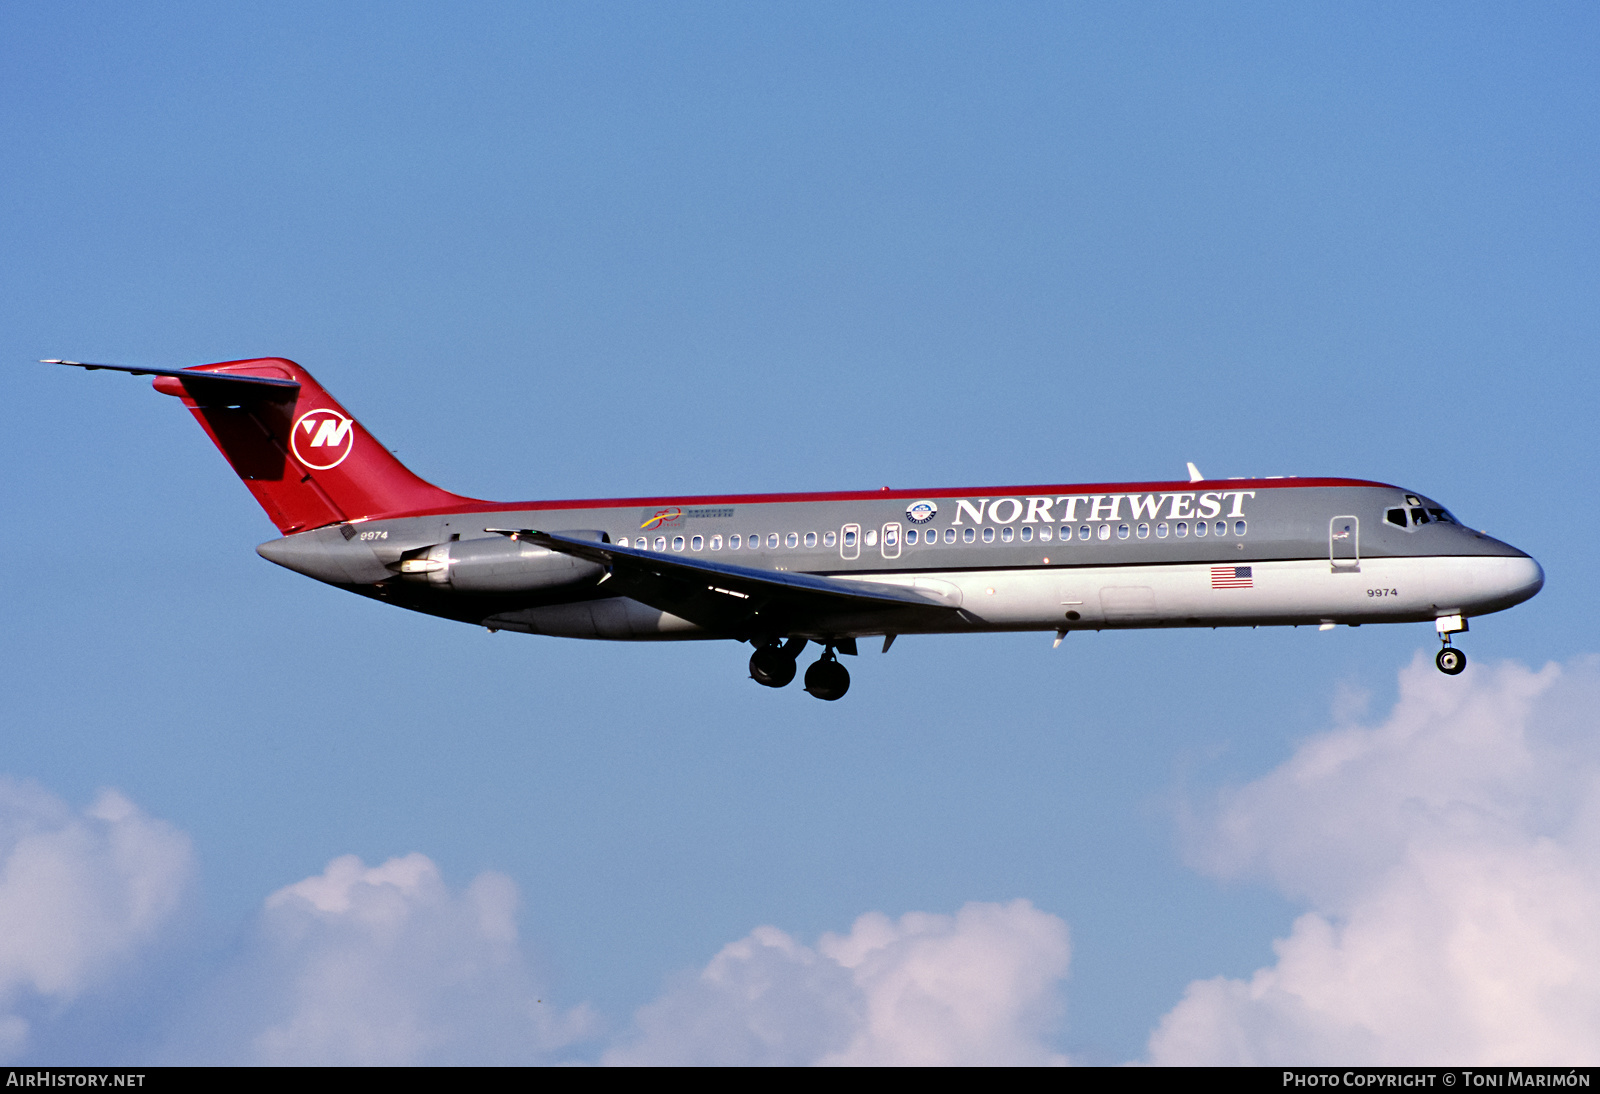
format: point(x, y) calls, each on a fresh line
point(1451, 661)
point(771, 667)
point(827, 679)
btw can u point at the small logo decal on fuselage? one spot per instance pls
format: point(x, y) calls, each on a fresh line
point(660, 517)
point(921, 512)
point(321, 439)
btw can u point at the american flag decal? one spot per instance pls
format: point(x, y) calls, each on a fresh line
point(1231, 577)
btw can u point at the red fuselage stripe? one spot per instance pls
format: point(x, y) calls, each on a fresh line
point(1080, 489)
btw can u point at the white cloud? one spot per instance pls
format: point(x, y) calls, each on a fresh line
point(1451, 859)
point(80, 894)
point(979, 987)
point(387, 965)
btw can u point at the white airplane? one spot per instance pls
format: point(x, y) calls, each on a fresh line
point(781, 570)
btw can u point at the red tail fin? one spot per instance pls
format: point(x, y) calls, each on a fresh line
point(303, 457)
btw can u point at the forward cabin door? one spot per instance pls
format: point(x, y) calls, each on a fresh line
point(1344, 544)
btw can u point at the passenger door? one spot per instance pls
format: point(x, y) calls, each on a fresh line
point(1344, 544)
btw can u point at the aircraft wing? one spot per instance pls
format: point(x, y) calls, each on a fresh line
point(734, 599)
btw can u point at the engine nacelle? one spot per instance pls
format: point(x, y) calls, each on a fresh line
point(498, 565)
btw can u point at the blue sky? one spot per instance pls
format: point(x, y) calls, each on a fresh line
point(580, 251)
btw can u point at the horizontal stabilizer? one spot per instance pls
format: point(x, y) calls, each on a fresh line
point(206, 387)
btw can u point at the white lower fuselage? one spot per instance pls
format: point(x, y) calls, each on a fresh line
point(1278, 593)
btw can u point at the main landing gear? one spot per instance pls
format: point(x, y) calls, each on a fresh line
point(827, 679)
point(1451, 661)
point(773, 666)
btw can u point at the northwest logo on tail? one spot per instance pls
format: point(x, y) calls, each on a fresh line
point(321, 439)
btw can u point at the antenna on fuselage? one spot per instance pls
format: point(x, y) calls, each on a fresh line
point(1194, 473)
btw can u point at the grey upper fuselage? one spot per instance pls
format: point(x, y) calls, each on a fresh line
point(1020, 530)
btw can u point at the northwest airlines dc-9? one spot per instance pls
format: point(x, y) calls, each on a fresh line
point(779, 571)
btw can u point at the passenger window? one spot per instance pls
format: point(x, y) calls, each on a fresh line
point(1122, 531)
point(1181, 529)
point(1419, 516)
point(1144, 531)
point(811, 539)
point(755, 541)
point(911, 535)
point(890, 536)
point(1396, 517)
point(1084, 531)
point(661, 543)
point(697, 543)
point(988, 535)
point(949, 535)
point(968, 535)
point(1161, 530)
point(1105, 531)
point(850, 538)
point(830, 539)
point(772, 541)
point(1007, 534)
point(792, 540)
point(1240, 528)
point(872, 537)
point(1027, 533)
point(734, 543)
point(677, 543)
point(623, 542)
point(1045, 533)
point(1222, 527)
point(1201, 527)
point(716, 543)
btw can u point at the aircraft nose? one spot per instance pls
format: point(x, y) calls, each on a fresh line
point(1515, 578)
point(1524, 577)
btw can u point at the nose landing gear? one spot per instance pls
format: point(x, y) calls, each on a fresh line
point(1451, 661)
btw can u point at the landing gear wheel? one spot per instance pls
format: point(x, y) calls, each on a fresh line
point(771, 667)
point(827, 679)
point(1451, 661)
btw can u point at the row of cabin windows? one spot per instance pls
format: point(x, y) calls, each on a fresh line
point(736, 542)
point(930, 536)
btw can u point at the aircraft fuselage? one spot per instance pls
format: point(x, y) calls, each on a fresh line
point(1244, 552)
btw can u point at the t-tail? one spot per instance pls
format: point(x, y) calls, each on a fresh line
point(306, 460)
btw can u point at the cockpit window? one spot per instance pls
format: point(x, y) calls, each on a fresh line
point(1417, 515)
